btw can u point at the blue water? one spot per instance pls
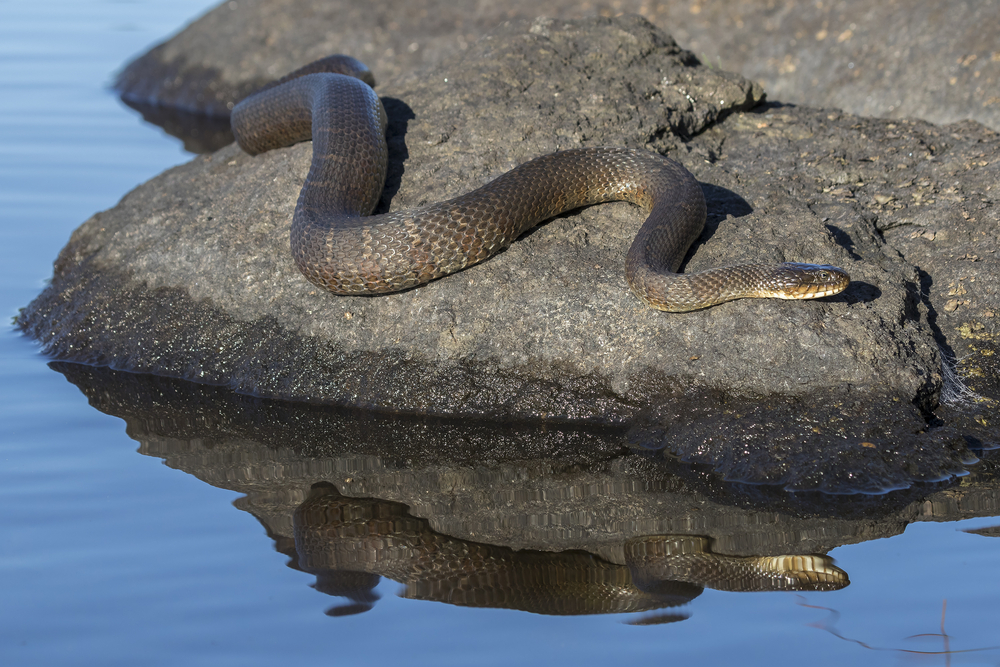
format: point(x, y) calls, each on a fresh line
point(108, 557)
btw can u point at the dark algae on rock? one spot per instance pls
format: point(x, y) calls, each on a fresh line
point(190, 276)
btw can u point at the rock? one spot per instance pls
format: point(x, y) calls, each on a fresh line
point(190, 275)
point(932, 59)
point(937, 60)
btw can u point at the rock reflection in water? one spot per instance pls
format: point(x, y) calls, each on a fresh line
point(349, 543)
point(544, 517)
point(200, 133)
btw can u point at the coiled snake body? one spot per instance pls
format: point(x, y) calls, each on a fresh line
point(339, 247)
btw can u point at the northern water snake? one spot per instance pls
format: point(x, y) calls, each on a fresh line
point(340, 247)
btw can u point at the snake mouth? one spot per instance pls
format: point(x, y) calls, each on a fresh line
point(810, 281)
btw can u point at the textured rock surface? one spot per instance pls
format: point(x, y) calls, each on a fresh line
point(933, 59)
point(190, 275)
point(937, 60)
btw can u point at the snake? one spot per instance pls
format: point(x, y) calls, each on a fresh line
point(350, 543)
point(338, 245)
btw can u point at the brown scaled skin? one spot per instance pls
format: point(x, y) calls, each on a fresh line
point(338, 246)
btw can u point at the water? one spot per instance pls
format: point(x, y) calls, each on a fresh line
point(110, 557)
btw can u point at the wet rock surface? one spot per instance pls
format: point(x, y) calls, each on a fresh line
point(190, 275)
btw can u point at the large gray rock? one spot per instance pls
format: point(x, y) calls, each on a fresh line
point(551, 319)
point(190, 275)
point(933, 59)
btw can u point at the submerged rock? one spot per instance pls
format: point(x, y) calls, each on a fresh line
point(190, 275)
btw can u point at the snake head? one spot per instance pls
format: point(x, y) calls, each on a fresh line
point(810, 281)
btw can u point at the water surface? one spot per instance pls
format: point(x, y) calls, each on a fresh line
point(108, 556)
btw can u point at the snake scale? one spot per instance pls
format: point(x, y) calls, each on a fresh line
point(338, 246)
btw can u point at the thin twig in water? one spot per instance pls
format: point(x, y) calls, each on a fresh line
point(829, 626)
